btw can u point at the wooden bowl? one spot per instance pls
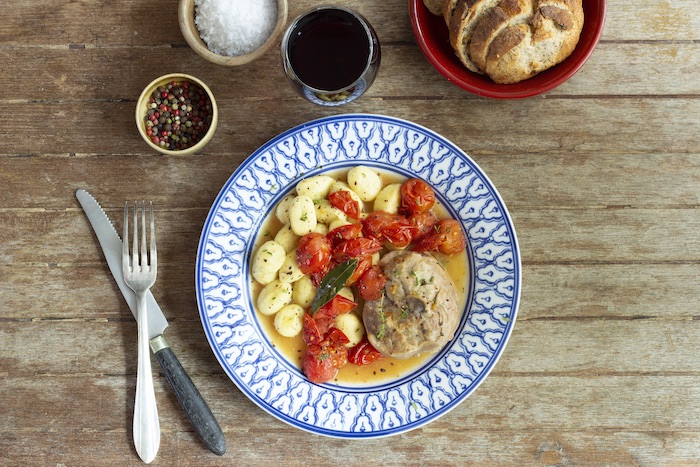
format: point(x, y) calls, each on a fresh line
point(142, 110)
point(191, 34)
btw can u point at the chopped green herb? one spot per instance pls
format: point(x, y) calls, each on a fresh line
point(382, 328)
point(415, 276)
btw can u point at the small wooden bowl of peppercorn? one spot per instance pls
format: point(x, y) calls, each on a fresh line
point(176, 114)
point(231, 33)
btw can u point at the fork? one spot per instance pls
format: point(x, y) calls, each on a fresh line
point(140, 275)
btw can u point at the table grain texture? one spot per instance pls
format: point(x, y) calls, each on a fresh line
point(601, 176)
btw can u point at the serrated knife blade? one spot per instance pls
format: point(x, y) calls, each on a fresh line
point(187, 393)
point(112, 248)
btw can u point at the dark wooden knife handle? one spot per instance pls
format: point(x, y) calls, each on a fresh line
point(191, 400)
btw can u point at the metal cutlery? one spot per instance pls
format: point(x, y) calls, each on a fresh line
point(140, 269)
point(193, 403)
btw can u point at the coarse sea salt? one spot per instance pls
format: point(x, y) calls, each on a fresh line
point(235, 27)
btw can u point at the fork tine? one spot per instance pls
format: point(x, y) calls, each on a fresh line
point(125, 237)
point(135, 245)
point(144, 252)
point(154, 256)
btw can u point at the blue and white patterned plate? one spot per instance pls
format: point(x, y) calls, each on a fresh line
point(224, 295)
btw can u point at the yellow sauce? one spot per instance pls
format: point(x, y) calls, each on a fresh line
point(386, 368)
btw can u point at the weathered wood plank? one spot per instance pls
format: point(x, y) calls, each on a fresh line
point(501, 404)
point(627, 126)
point(446, 449)
point(609, 291)
point(526, 181)
point(602, 235)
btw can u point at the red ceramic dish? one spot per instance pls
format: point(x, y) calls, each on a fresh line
point(432, 36)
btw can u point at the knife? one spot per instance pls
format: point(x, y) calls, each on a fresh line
point(191, 400)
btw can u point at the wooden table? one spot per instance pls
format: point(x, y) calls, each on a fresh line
point(601, 177)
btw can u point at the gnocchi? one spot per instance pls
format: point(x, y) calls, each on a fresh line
point(389, 199)
point(267, 261)
point(316, 187)
point(289, 320)
point(303, 292)
point(282, 211)
point(327, 213)
point(365, 182)
point(290, 272)
point(302, 215)
point(287, 238)
point(352, 327)
point(274, 296)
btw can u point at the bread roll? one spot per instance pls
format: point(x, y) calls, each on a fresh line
point(436, 7)
point(511, 40)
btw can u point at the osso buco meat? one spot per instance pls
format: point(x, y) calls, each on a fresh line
point(419, 311)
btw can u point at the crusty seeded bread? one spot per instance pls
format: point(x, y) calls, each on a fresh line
point(436, 7)
point(466, 16)
point(448, 10)
point(511, 40)
point(506, 14)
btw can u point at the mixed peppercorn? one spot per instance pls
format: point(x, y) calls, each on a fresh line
point(179, 115)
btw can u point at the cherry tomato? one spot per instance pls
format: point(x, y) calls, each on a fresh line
point(430, 242)
point(361, 248)
point(343, 233)
point(394, 228)
point(310, 332)
point(357, 248)
point(321, 361)
point(371, 283)
point(374, 223)
point(400, 233)
point(317, 365)
point(416, 196)
point(363, 353)
point(325, 315)
point(313, 253)
point(424, 222)
point(343, 201)
point(364, 264)
point(317, 277)
point(454, 241)
point(337, 306)
point(447, 238)
point(336, 337)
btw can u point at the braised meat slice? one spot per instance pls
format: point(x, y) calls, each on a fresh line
point(419, 311)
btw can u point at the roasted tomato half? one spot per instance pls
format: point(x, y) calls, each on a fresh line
point(363, 353)
point(321, 361)
point(343, 201)
point(393, 228)
point(416, 196)
point(447, 238)
point(343, 233)
point(314, 253)
point(371, 283)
